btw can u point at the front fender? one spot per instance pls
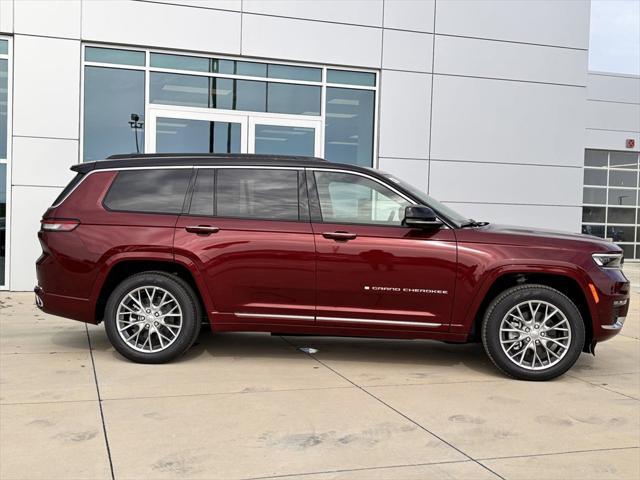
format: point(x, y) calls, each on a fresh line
point(464, 316)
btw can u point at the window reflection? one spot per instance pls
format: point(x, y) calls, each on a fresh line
point(349, 126)
point(111, 95)
point(4, 85)
point(347, 198)
point(254, 193)
point(175, 135)
point(282, 140)
point(154, 191)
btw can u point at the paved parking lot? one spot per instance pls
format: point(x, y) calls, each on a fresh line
point(254, 406)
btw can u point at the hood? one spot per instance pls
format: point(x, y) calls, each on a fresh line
point(514, 235)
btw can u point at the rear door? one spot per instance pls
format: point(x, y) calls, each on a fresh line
point(247, 231)
point(372, 272)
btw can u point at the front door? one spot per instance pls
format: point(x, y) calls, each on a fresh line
point(196, 130)
point(372, 272)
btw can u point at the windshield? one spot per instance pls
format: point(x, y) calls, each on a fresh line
point(428, 201)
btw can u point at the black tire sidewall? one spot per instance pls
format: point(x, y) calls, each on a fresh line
point(505, 302)
point(190, 316)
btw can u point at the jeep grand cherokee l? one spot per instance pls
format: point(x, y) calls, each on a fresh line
point(154, 245)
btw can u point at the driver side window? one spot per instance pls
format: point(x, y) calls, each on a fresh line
point(349, 198)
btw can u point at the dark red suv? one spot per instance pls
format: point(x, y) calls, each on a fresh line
point(156, 245)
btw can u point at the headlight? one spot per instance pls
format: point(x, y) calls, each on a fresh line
point(608, 260)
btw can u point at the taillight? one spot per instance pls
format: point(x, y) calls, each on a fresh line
point(58, 224)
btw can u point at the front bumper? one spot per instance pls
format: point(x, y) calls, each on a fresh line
point(610, 303)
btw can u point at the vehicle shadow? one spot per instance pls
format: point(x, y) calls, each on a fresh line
point(367, 354)
point(372, 353)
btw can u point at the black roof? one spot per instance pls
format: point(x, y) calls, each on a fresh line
point(191, 159)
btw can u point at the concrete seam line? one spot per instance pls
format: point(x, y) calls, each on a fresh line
point(560, 453)
point(104, 427)
point(406, 417)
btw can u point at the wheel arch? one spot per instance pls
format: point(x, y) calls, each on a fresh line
point(565, 282)
point(126, 267)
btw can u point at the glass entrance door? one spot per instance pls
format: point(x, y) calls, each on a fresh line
point(180, 131)
point(191, 130)
point(283, 136)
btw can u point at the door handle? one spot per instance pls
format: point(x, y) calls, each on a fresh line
point(339, 236)
point(202, 229)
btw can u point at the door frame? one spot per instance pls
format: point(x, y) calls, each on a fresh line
point(316, 124)
point(248, 120)
point(156, 112)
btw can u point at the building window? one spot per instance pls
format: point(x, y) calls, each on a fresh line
point(5, 67)
point(111, 97)
point(611, 198)
point(175, 96)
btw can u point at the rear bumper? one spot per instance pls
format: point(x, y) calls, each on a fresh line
point(62, 306)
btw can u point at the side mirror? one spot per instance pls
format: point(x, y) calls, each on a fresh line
point(419, 216)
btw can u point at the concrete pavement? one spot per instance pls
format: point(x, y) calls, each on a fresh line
point(243, 406)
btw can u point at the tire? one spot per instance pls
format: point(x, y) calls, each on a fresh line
point(166, 326)
point(520, 344)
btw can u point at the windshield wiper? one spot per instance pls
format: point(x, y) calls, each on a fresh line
point(473, 223)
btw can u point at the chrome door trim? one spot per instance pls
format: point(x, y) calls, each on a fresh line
point(275, 315)
point(381, 322)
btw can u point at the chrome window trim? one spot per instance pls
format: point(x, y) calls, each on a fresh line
point(254, 167)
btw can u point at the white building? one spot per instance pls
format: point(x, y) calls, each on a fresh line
point(485, 104)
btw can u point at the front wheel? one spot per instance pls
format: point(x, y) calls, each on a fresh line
point(152, 317)
point(533, 332)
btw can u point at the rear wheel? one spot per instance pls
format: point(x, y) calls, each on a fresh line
point(533, 332)
point(152, 317)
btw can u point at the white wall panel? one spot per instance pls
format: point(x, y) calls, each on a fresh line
point(613, 116)
point(554, 218)
point(415, 172)
point(52, 18)
point(219, 4)
point(547, 22)
point(414, 15)
point(161, 25)
point(358, 12)
point(613, 88)
point(611, 140)
point(404, 114)
point(503, 121)
point(43, 161)
point(46, 87)
point(303, 40)
point(501, 183)
point(28, 205)
point(6, 16)
point(516, 61)
point(407, 51)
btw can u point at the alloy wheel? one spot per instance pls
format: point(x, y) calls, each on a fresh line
point(149, 319)
point(535, 335)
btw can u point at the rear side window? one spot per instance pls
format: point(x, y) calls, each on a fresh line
point(67, 190)
point(257, 193)
point(152, 191)
point(202, 198)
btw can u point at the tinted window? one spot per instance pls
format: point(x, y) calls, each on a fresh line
point(155, 191)
point(202, 198)
point(255, 193)
point(346, 198)
point(74, 181)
